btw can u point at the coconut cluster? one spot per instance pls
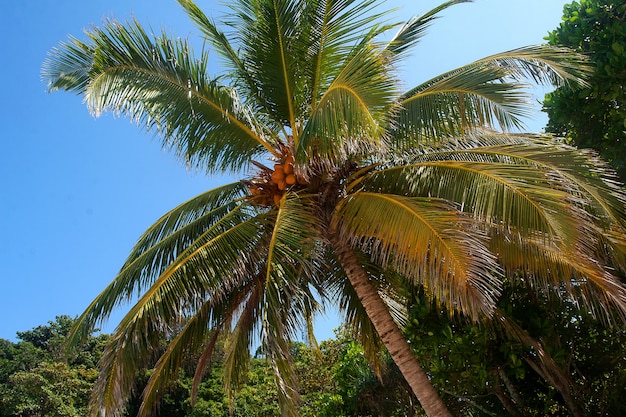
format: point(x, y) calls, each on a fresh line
point(269, 186)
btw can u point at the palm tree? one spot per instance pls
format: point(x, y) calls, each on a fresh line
point(368, 189)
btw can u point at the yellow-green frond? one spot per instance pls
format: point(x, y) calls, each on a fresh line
point(428, 241)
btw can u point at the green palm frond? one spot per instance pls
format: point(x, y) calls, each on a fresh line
point(548, 268)
point(199, 332)
point(218, 40)
point(239, 340)
point(267, 42)
point(549, 206)
point(413, 30)
point(354, 110)
point(198, 273)
point(589, 177)
point(499, 194)
point(485, 93)
point(67, 66)
point(543, 64)
point(288, 300)
point(428, 241)
point(160, 84)
point(333, 26)
point(207, 268)
point(560, 190)
point(193, 335)
point(158, 247)
point(458, 102)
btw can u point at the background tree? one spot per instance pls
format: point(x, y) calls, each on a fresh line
point(368, 190)
point(487, 370)
point(38, 378)
point(594, 117)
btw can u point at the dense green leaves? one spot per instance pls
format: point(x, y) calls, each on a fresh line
point(482, 369)
point(594, 117)
point(558, 362)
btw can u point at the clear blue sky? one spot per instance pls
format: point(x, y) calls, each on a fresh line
point(76, 192)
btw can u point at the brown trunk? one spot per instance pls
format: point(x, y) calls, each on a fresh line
point(389, 332)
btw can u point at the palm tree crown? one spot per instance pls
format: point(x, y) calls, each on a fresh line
point(352, 189)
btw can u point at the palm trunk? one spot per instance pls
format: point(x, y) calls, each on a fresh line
point(389, 332)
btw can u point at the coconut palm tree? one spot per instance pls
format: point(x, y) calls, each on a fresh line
point(351, 189)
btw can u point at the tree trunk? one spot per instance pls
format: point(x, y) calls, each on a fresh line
point(389, 332)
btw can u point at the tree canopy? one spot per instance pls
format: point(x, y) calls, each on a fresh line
point(595, 116)
point(353, 192)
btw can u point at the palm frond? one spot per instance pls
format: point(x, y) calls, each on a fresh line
point(197, 274)
point(550, 208)
point(413, 30)
point(457, 102)
point(160, 85)
point(548, 269)
point(578, 194)
point(354, 110)
point(485, 93)
point(194, 334)
point(266, 38)
point(616, 241)
point(557, 177)
point(199, 332)
point(590, 178)
point(333, 26)
point(428, 241)
point(67, 66)
point(543, 65)
point(239, 340)
point(287, 298)
point(157, 248)
point(498, 194)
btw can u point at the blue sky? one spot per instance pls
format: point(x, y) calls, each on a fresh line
point(76, 192)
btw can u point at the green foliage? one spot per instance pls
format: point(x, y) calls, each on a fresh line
point(486, 370)
point(594, 117)
point(481, 369)
point(37, 377)
point(49, 389)
point(372, 190)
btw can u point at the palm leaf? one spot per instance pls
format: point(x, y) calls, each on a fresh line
point(577, 195)
point(547, 268)
point(267, 44)
point(239, 340)
point(427, 241)
point(200, 331)
point(353, 111)
point(222, 45)
point(287, 298)
point(591, 178)
point(413, 30)
point(333, 25)
point(457, 102)
point(196, 275)
point(157, 248)
point(499, 194)
point(67, 66)
point(481, 94)
point(543, 65)
point(190, 338)
point(161, 85)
